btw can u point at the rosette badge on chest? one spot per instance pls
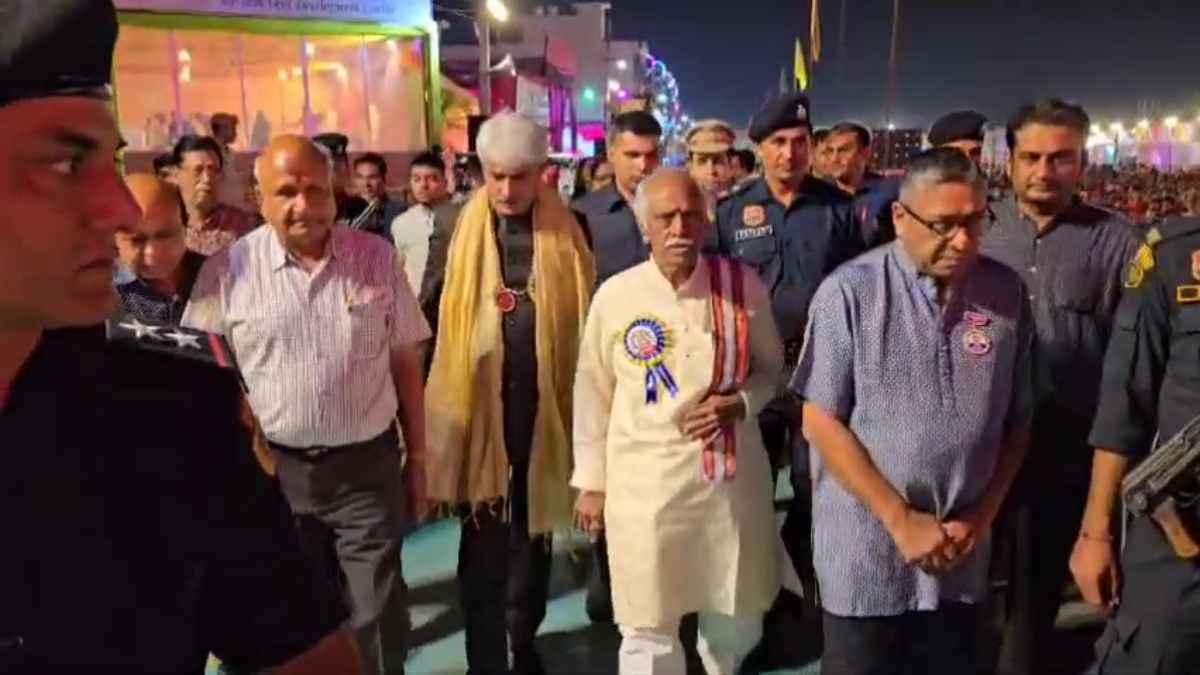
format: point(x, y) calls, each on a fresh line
point(647, 340)
point(975, 340)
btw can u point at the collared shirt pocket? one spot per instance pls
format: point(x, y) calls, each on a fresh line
point(1185, 341)
point(370, 316)
point(1076, 288)
point(755, 246)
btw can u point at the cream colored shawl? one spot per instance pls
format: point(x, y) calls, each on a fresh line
point(467, 463)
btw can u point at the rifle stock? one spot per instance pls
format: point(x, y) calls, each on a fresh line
point(1177, 532)
point(1152, 487)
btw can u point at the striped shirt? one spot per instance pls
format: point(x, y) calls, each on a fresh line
point(931, 392)
point(313, 348)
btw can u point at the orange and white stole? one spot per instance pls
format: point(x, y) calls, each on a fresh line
point(731, 360)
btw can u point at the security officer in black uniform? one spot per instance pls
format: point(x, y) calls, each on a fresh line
point(793, 229)
point(139, 533)
point(351, 209)
point(1150, 387)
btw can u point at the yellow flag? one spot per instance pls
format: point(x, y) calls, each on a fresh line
point(801, 67)
point(814, 27)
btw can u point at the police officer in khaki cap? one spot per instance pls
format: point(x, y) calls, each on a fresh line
point(709, 143)
point(140, 534)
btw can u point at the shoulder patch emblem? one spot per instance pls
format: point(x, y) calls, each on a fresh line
point(1196, 264)
point(1143, 261)
point(184, 343)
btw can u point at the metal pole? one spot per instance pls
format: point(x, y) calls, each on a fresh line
point(485, 65)
point(306, 122)
point(241, 67)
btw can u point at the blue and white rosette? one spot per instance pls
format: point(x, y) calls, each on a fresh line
point(646, 342)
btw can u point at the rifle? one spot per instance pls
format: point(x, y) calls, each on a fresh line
point(1153, 487)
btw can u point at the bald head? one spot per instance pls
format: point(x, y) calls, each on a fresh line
point(288, 149)
point(153, 247)
point(295, 177)
point(670, 208)
point(152, 193)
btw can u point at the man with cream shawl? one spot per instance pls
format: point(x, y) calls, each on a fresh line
point(679, 355)
point(518, 279)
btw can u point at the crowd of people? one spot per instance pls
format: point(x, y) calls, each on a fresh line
point(237, 402)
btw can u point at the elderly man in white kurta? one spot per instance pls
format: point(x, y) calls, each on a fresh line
point(678, 356)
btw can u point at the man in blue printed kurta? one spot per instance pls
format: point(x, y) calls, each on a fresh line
point(917, 395)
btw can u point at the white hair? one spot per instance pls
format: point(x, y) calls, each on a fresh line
point(512, 141)
point(641, 197)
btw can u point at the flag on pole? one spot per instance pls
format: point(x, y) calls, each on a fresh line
point(801, 68)
point(783, 82)
point(814, 31)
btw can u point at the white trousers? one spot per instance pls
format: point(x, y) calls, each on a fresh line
point(723, 643)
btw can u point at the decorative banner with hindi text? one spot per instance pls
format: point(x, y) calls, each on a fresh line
point(397, 12)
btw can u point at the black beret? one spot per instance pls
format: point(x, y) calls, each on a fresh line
point(783, 112)
point(56, 48)
point(335, 143)
point(962, 125)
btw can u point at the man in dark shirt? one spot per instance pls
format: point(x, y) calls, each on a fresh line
point(793, 229)
point(131, 552)
point(1071, 257)
point(1150, 387)
point(152, 251)
point(370, 178)
point(350, 208)
point(617, 241)
point(849, 147)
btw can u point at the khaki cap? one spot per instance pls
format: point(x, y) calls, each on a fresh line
point(710, 136)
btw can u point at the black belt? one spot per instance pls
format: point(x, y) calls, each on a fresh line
point(321, 452)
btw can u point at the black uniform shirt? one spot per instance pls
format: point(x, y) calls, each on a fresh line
point(617, 241)
point(793, 248)
point(1151, 382)
point(1074, 271)
point(139, 533)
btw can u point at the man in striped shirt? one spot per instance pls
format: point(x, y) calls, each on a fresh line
point(325, 329)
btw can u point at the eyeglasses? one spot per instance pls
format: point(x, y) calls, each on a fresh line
point(974, 223)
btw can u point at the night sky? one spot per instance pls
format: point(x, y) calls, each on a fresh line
point(1122, 59)
point(1125, 59)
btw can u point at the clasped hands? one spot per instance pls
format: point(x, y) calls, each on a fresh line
point(937, 547)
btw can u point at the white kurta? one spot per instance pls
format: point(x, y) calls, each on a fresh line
point(676, 543)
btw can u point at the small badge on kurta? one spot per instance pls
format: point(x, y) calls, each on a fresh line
point(646, 341)
point(506, 300)
point(754, 215)
point(976, 319)
point(977, 342)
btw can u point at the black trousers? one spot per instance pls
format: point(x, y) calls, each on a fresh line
point(941, 642)
point(797, 524)
point(1045, 513)
point(1156, 628)
point(504, 576)
point(350, 514)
